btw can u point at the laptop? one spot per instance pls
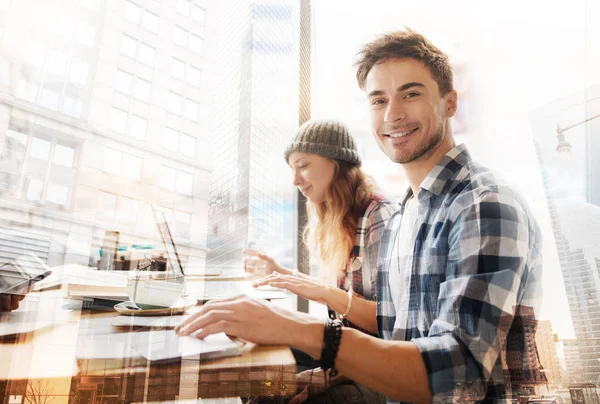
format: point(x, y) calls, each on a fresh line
point(210, 286)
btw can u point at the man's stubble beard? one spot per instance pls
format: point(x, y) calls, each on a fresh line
point(424, 150)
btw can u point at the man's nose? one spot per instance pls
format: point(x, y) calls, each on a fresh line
point(394, 112)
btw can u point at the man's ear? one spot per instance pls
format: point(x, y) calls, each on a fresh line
point(451, 103)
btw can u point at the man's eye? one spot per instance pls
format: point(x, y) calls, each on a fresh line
point(411, 95)
point(377, 102)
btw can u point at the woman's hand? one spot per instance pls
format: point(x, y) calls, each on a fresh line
point(259, 262)
point(308, 288)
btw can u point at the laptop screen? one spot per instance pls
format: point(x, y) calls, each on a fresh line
point(165, 234)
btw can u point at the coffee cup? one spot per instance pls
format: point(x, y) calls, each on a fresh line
point(154, 289)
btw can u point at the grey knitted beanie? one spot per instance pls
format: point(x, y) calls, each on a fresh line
point(327, 138)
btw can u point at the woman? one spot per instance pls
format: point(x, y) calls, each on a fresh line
point(346, 220)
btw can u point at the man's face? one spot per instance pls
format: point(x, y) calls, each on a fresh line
point(408, 114)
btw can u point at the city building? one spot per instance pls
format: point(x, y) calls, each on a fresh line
point(570, 182)
point(523, 365)
point(104, 112)
point(573, 369)
point(257, 110)
point(545, 341)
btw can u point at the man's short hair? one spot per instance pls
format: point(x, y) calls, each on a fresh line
point(405, 44)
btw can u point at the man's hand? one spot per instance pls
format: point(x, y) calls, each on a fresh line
point(311, 382)
point(305, 287)
point(253, 320)
point(10, 302)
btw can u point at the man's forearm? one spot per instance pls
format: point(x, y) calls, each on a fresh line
point(392, 368)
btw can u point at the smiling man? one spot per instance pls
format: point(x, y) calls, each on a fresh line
point(456, 261)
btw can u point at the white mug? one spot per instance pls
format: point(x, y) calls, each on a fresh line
point(154, 289)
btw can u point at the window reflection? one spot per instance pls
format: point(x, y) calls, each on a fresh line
point(115, 115)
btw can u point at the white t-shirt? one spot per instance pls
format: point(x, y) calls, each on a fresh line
point(400, 271)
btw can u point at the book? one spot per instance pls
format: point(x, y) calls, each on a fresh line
point(82, 281)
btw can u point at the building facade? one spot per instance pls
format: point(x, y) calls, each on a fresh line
point(571, 183)
point(573, 369)
point(104, 112)
point(256, 114)
point(545, 341)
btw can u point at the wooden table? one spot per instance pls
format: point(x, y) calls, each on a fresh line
point(43, 364)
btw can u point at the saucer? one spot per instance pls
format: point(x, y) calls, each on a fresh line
point(179, 307)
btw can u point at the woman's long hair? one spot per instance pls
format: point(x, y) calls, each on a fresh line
point(332, 224)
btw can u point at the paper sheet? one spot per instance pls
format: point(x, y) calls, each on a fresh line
point(19, 322)
point(161, 345)
point(155, 345)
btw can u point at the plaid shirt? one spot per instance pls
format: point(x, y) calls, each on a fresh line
point(361, 272)
point(476, 258)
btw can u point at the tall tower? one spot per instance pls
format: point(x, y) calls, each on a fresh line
point(256, 113)
point(570, 184)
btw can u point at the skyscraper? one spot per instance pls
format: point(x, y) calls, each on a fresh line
point(256, 113)
point(569, 185)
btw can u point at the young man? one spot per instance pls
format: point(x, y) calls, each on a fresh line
point(456, 262)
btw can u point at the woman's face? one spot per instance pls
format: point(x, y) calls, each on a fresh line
point(313, 174)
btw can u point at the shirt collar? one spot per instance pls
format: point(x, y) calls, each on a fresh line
point(445, 170)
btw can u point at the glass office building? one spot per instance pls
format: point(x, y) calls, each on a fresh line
point(256, 113)
point(572, 182)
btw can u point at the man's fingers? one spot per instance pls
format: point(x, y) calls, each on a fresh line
point(5, 303)
point(215, 328)
point(216, 302)
point(221, 304)
point(14, 302)
point(300, 397)
point(205, 320)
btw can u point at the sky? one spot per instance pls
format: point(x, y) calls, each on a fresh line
point(516, 56)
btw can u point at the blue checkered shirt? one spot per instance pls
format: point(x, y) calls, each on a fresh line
point(476, 258)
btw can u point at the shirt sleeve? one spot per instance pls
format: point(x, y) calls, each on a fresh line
point(377, 221)
point(489, 243)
